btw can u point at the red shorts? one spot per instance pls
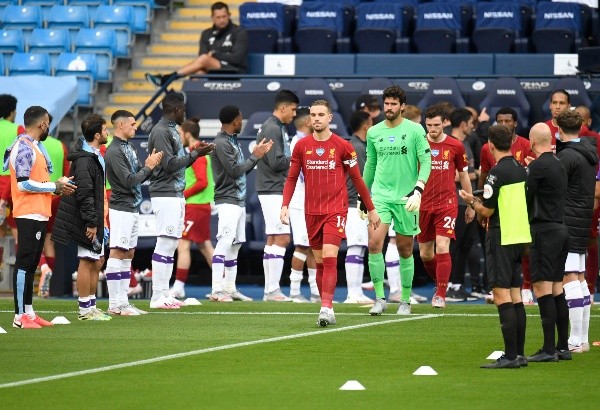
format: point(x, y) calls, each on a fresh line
point(595, 216)
point(196, 223)
point(5, 187)
point(54, 205)
point(437, 223)
point(326, 229)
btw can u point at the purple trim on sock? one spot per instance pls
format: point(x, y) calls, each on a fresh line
point(120, 247)
point(392, 264)
point(162, 259)
point(126, 275)
point(113, 275)
point(575, 303)
point(218, 259)
point(93, 302)
point(355, 259)
point(587, 301)
point(273, 256)
point(85, 305)
point(231, 264)
point(266, 256)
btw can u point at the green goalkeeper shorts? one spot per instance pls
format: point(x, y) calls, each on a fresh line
point(405, 223)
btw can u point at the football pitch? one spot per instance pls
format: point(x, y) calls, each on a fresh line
point(272, 355)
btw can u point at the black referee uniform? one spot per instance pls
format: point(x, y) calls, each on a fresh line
point(547, 182)
point(508, 231)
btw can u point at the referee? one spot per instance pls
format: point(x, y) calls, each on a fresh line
point(504, 204)
point(546, 190)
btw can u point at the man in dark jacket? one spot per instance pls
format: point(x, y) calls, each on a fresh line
point(81, 217)
point(224, 46)
point(578, 156)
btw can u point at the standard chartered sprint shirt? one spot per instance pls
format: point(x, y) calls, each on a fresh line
point(396, 158)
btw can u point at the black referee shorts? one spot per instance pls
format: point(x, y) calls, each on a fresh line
point(502, 261)
point(549, 248)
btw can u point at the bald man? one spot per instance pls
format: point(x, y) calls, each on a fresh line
point(546, 191)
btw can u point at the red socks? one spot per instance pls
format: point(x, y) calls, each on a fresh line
point(430, 267)
point(329, 281)
point(526, 273)
point(442, 272)
point(181, 274)
point(320, 278)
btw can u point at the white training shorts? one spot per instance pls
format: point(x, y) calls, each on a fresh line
point(575, 262)
point(169, 212)
point(232, 223)
point(271, 209)
point(88, 254)
point(123, 229)
point(357, 229)
point(298, 224)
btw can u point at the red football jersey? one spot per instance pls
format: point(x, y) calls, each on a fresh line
point(520, 149)
point(447, 157)
point(554, 133)
point(324, 165)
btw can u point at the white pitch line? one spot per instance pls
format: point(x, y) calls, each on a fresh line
point(208, 350)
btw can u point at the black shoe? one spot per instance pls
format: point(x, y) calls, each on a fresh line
point(453, 295)
point(522, 360)
point(541, 356)
point(502, 363)
point(564, 354)
point(158, 80)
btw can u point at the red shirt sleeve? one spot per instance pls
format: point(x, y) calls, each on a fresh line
point(351, 165)
point(20, 130)
point(293, 173)
point(486, 160)
point(460, 158)
point(199, 168)
point(66, 163)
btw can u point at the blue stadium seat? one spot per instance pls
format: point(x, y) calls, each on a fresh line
point(254, 122)
point(265, 24)
point(466, 12)
point(576, 90)
point(44, 5)
point(84, 67)
point(312, 89)
point(49, 40)
point(498, 28)
point(379, 28)
point(1, 66)
point(338, 126)
point(72, 18)
point(143, 12)
point(321, 28)
point(375, 86)
point(439, 29)
point(408, 8)
point(121, 20)
point(442, 89)
point(102, 43)
point(22, 17)
point(11, 41)
point(507, 92)
point(30, 64)
point(558, 27)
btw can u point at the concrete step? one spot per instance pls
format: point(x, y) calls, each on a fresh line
point(202, 12)
point(181, 37)
point(143, 85)
point(165, 61)
point(189, 25)
point(138, 98)
point(111, 108)
point(171, 50)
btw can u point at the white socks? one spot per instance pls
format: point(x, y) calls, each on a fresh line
point(354, 265)
point(574, 297)
point(113, 281)
point(275, 263)
point(586, 312)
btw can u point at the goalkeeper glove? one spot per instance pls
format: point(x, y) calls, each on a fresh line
point(413, 200)
point(361, 208)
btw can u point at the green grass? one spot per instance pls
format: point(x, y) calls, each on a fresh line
point(304, 371)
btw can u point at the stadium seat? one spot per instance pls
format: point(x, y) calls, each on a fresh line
point(576, 90)
point(1, 66)
point(143, 12)
point(49, 40)
point(408, 8)
point(442, 89)
point(498, 28)
point(22, 17)
point(558, 28)
point(379, 28)
point(265, 24)
point(507, 92)
point(121, 20)
point(375, 86)
point(338, 126)
point(11, 41)
point(312, 89)
point(321, 28)
point(44, 5)
point(29, 64)
point(99, 42)
point(84, 67)
point(70, 17)
point(254, 122)
point(440, 29)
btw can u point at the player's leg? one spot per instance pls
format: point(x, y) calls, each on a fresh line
point(206, 250)
point(591, 264)
point(311, 267)
point(356, 241)
point(585, 328)
point(131, 232)
point(392, 267)
point(406, 225)
point(118, 245)
point(182, 269)
point(333, 233)
point(575, 301)
point(376, 240)
point(231, 258)
point(300, 238)
point(227, 225)
point(314, 229)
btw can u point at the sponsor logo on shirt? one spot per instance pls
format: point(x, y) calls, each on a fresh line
point(391, 139)
point(488, 191)
point(309, 152)
point(518, 155)
point(320, 151)
point(435, 152)
point(332, 164)
point(332, 153)
point(446, 154)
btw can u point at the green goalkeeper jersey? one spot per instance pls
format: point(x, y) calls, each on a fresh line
point(396, 158)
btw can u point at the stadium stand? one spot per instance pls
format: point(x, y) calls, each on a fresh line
point(576, 89)
point(379, 28)
point(84, 67)
point(507, 92)
point(22, 17)
point(266, 27)
point(442, 89)
point(121, 20)
point(254, 122)
point(143, 12)
point(11, 41)
point(72, 18)
point(321, 28)
point(103, 43)
point(375, 86)
point(558, 27)
point(50, 41)
point(312, 89)
point(30, 64)
point(440, 29)
point(499, 28)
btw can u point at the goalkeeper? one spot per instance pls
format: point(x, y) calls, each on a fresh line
point(397, 168)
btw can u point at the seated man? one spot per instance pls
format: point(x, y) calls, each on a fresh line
point(224, 46)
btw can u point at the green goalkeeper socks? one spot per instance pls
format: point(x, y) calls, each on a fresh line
point(376, 270)
point(407, 272)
